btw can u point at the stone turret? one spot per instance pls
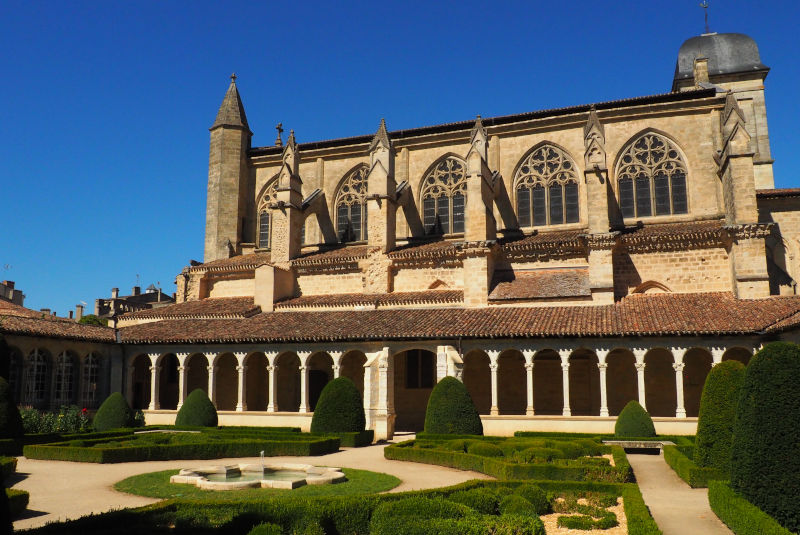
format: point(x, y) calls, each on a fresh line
point(381, 192)
point(228, 171)
point(287, 212)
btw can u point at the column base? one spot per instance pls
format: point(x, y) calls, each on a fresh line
point(566, 412)
point(680, 413)
point(603, 411)
point(240, 407)
point(303, 409)
point(529, 411)
point(494, 411)
point(271, 408)
point(180, 405)
point(152, 407)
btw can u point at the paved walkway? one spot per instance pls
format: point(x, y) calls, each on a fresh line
point(677, 508)
point(53, 485)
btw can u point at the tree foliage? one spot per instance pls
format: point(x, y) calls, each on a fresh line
point(451, 410)
point(717, 414)
point(91, 319)
point(634, 422)
point(113, 413)
point(10, 419)
point(339, 409)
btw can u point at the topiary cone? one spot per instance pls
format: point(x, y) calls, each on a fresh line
point(339, 409)
point(113, 413)
point(717, 415)
point(10, 420)
point(197, 411)
point(451, 410)
point(634, 422)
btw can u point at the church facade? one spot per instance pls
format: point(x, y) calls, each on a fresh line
point(559, 262)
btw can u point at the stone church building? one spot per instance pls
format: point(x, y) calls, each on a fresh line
point(559, 262)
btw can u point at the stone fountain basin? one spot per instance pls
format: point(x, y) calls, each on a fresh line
point(314, 475)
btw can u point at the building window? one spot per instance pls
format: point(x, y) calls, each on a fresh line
point(652, 178)
point(351, 207)
point(547, 188)
point(64, 379)
point(14, 364)
point(91, 378)
point(444, 197)
point(420, 369)
point(35, 378)
point(264, 213)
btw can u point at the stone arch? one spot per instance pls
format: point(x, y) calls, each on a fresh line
point(352, 367)
point(196, 373)
point(265, 197)
point(584, 383)
point(697, 363)
point(288, 382)
point(256, 379)
point(622, 380)
point(651, 287)
point(350, 204)
point(226, 377)
point(443, 194)
point(659, 382)
point(168, 381)
point(140, 382)
point(477, 379)
point(320, 373)
point(438, 284)
point(414, 379)
point(548, 383)
point(512, 383)
point(742, 354)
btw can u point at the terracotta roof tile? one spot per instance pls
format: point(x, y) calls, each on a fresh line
point(374, 300)
point(53, 328)
point(645, 315)
point(344, 253)
point(234, 263)
point(10, 309)
point(777, 192)
point(540, 284)
point(425, 249)
point(542, 240)
point(213, 307)
point(666, 230)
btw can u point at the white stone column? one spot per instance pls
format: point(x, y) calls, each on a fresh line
point(564, 354)
point(385, 383)
point(368, 396)
point(602, 366)
point(303, 355)
point(181, 378)
point(241, 402)
point(716, 355)
point(272, 405)
point(494, 355)
point(212, 384)
point(336, 356)
point(441, 362)
point(639, 353)
point(677, 354)
point(529, 354)
point(155, 377)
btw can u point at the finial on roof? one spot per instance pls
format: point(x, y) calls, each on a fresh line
point(478, 128)
point(381, 137)
point(704, 5)
point(279, 140)
point(233, 78)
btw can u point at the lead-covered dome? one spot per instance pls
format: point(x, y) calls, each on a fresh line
point(727, 53)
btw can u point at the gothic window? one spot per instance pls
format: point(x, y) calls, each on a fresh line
point(35, 378)
point(547, 188)
point(444, 197)
point(91, 379)
point(64, 379)
point(652, 178)
point(264, 216)
point(351, 207)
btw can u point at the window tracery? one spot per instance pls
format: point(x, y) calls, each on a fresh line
point(652, 178)
point(64, 379)
point(91, 377)
point(264, 215)
point(546, 186)
point(444, 197)
point(35, 377)
point(351, 207)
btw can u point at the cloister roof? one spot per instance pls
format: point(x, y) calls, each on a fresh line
point(374, 300)
point(637, 315)
point(15, 319)
point(213, 307)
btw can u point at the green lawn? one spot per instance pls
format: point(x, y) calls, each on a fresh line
point(157, 485)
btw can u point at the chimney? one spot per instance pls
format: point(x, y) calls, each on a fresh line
point(700, 71)
point(9, 284)
point(159, 295)
point(45, 311)
point(70, 314)
point(114, 293)
point(54, 314)
point(137, 290)
point(78, 312)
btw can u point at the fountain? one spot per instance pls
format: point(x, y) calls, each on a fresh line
point(265, 476)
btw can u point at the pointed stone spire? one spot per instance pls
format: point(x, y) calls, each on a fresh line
point(593, 125)
point(479, 139)
point(291, 161)
point(731, 115)
point(381, 137)
point(594, 140)
point(231, 112)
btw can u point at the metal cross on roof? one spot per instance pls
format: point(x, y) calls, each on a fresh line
point(704, 5)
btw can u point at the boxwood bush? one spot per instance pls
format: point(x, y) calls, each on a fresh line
point(451, 410)
point(765, 464)
point(113, 413)
point(741, 516)
point(339, 408)
point(17, 502)
point(695, 476)
point(634, 422)
point(717, 414)
point(197, 411)
point(10, 420)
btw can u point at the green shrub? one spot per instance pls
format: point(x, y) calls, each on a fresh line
point(717, 414)
point(339, 409)
point(481, 499)
point(113, 413)
point(459, 445)
point(265, 529)
point(695, 476)
point(355, 439)
point(741, 516)
point(536, 496)
point(634, 421)
point(532, 455)
point(451, 410)
point(10, 420)
point(197, 411)
point(516, 505)
point(17, 502)
point(421, 516)
point(589, 517)
point(484, 449)
point(765, 464)
point(8, 465)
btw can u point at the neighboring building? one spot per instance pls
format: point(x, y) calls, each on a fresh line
point(10, 294)
point(152, 297)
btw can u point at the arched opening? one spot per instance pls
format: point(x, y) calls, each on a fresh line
point(227, 379)
point(621, 378)
point(414, 377)
point(37, 384)
point(288, 382)
point(478, 380)
point(91, 390)
point(196, 373)
point(65, 379)
point(140, 382)
point(697, 365)
point(352, 367)
point(168, 382)
point(741, 354)
point(256, 378)
point(320, 372)
point(548, 384)
point(659, 383)
point(584, 384)
point(512, 383)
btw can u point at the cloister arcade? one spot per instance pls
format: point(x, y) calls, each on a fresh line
point(396, 381)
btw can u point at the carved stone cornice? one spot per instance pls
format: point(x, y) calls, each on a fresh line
point(601, 240)
point(748, 231)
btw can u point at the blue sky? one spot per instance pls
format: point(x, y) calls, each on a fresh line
point(106, 105)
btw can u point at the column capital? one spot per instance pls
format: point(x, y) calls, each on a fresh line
point(494, 354)
point(182, 354)
point(211, 369)
point(272, 368)
point(639, 353)
point(602, 365)
point(302, 368)
point(565, 353)
point(181, 369)
point(640, 366)
point(336, 367)
point(241, 369)
point(678, 353)
point(153, 369)
point(493, 366)
point(337, 354)
point(678, 366)
point(565, 366)
point(529, 366)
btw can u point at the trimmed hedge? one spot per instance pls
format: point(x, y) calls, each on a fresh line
point(634, 421)
point(355, 439)
point(265, 529)
point(339, 409)
point(717, 414)
point(17, 501)
point(765, 465)
point(10, 419)
point(114, 413)
point(197, 411)
point(451, 410)
point(8, 465)
point(695, 476)
point(741, 516)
